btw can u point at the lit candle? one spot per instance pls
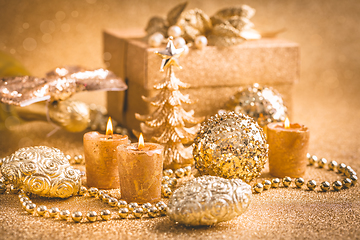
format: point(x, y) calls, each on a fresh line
point(100, 158)
point(140, 171)
point(288, 146)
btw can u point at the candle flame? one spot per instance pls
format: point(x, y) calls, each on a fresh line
point(141, 142)
point(287, 123)
point(109, 127)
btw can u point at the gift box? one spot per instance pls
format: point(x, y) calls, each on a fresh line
point(214, 73)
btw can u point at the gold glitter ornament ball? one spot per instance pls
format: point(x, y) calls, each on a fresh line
point(230, 145)
point(263, 104)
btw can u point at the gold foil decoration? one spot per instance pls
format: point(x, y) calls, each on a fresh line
point(161, 25)
point(244, 11)
point(175, 13)
point(230, 145)
point(59, 84)
point(208, 200)
point(194, 23)
point(25, 96)
point(157, 24)
point(263, 104)
point(43, 171)
point(71, 115)
point(166, 125)
point(232, 26)
point(227, 27)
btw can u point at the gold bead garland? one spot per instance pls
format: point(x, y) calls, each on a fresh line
point(125, 209)
point(349, 180)
point(92, 216)
point(169, 180)
point(77, 159)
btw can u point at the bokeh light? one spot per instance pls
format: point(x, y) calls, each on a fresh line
point(29, 44)
point(47, 26)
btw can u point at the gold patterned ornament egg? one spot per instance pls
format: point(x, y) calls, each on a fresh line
point(230, 145)
point(42, 170)
point(208, 200)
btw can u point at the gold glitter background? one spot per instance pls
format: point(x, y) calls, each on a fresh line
point(325, 99)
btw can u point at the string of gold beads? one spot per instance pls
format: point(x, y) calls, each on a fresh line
point(169, 179)
point(125, 210)
point(349, 180)
point(77, 159)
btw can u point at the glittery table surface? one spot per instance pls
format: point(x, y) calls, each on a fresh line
point(285, 213)
point(325, 99)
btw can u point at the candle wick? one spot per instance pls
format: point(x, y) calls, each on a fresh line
point(110, 137)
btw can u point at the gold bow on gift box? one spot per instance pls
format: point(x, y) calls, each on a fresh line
point(227, 27)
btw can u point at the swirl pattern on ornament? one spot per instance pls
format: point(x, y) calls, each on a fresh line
point(41, 170)
point(208, 200)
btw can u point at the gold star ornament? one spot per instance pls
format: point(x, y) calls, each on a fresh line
point(170, 55)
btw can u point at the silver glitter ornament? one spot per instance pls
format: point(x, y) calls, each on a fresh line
point(230, 145)
point(43, 171)
point(263, 104)
point(208, 200)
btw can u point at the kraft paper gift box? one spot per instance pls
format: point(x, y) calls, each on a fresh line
point(214, 73)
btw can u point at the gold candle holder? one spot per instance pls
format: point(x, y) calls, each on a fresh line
point(140, 171)
point(100, 158)
point(288, 146)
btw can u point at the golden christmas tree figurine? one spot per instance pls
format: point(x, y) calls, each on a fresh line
point(167, 124)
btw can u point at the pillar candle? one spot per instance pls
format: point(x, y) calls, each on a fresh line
point(140, 172)
point(288, 146)
point(100, 159)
